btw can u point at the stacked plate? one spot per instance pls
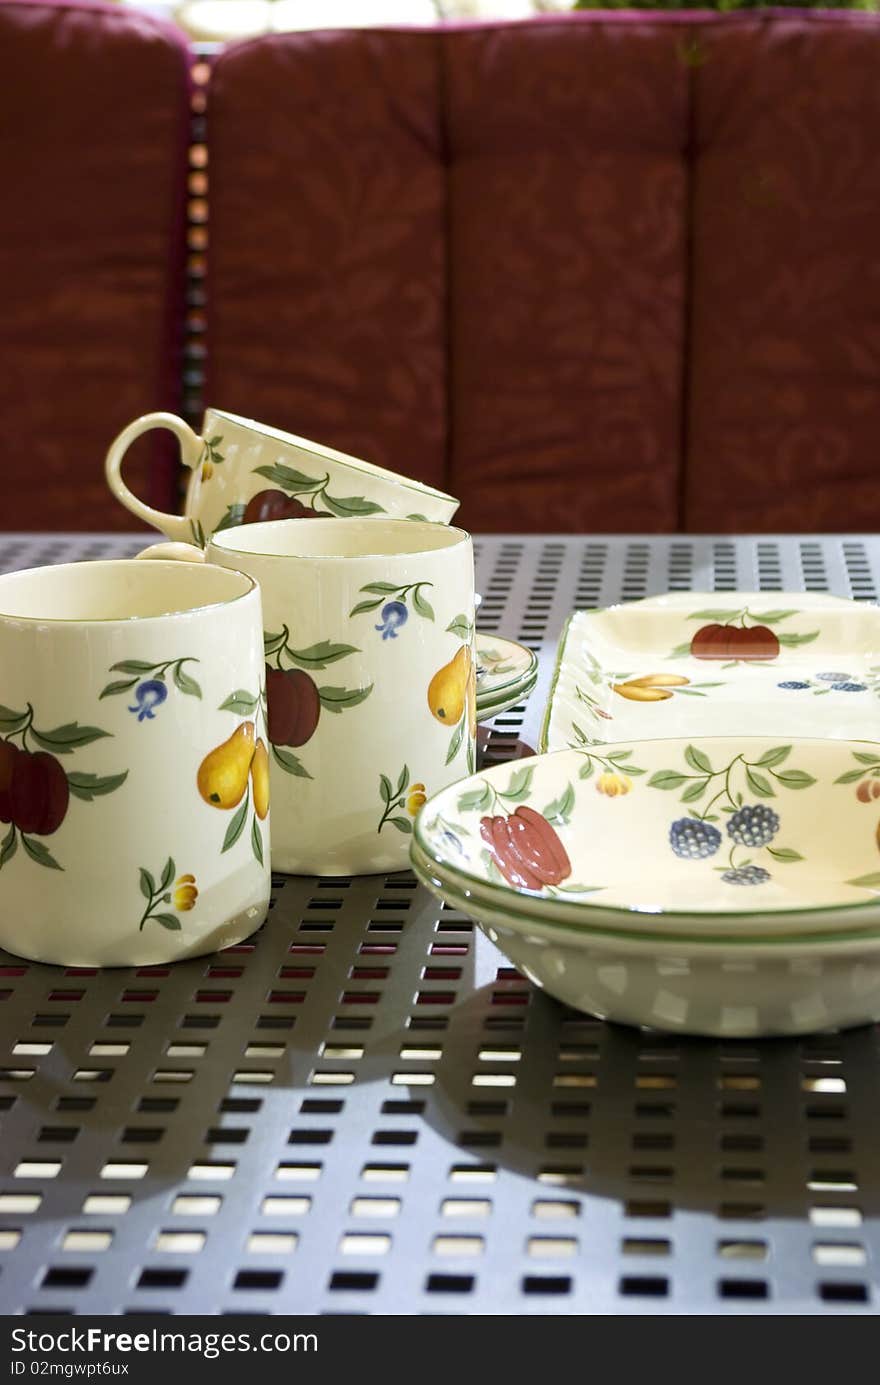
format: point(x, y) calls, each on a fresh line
point(506, 674)
point(723, 884)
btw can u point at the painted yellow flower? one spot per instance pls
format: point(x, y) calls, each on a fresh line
point(613, 784)
point(415, 798)
point(207, 471)
point(185, 893)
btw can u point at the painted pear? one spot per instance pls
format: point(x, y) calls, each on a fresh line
point(260, 780)
point(447, 690)
point(223, 774)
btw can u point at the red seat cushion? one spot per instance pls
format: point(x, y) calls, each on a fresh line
point(784, 429)
point(94, 114)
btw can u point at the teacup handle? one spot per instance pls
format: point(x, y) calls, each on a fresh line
point(174, 552)
point(191, 445)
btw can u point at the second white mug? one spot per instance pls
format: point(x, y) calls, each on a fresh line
point(370, 679)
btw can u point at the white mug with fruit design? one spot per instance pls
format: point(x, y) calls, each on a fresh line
point(370, 679)
point(134, 797)
point(242, 472)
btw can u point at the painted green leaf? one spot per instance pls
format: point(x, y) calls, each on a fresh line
point(257, 841)
point(774, 756)
point(8, 847)
point(689, 692)
point(167, 874)
point(618, 755)
point(336, 699)
point(185, 683)
point(384, 788)
point(864, 759)
point(288, 479)
point(873, 879)
point(720, 615)
point(477, 799)
point(402, 781)
point(120, 686)
point(759, 784)
point(241, 702)
point(784, 853)
point(402, 824)
point(363, 606)
point(423, 518)
point(422, 606)
point(64, 739)
point(320, 655)
point(89, 786)
point(169, 921)
point(698, 760)
point(461, 627)
point(148, 884)
point(352, 505)
point(695, 791)
point(272, 642)
point(586, 770)
point(680, 651)
point(850, 777)
point(236, 826)
point(795, 778)
point(382, 588)
point(790, 641)
point(666, 779)
point(455, 743)
point(771, 617)
point(132, 666)
point(289, 762)
point(559, 811)
point(471, 755)
point(520, 784)
point(232, 518)
point(39, 853)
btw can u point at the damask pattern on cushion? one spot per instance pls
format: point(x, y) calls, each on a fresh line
point(327, 242)
point(784, 426)
point(94, 124)
point(567, 258)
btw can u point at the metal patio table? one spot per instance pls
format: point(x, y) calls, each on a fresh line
point(366, 1109)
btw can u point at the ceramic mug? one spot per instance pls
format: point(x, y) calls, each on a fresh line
point(370, 679)
point(244, 471)
point(134, 822)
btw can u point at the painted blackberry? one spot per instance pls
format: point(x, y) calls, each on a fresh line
point(754, 824)
point(792, 683)
point(834, 677)
point(693, 839)
point(746, 875)
point(849, 687)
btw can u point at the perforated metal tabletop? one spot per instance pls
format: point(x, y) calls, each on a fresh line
point(365, 1109)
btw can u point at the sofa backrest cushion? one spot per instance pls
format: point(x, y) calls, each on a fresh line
point(94, 128)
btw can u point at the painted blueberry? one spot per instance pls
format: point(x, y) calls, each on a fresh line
point(746, 875)
point(394, 614)
point(753, 825)
point(833, 677)
point(849, 687)
point(694, 839)
point(792, 683)
point(147, 695)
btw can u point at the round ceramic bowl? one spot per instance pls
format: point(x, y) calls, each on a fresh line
point(722, 988)
point(726, 838)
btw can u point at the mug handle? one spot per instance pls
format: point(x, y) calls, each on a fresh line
point(174, 553)
point(191, 445)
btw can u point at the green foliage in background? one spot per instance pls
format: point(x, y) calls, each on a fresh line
point(725, 5)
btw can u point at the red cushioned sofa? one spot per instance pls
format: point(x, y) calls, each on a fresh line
point(607, 271)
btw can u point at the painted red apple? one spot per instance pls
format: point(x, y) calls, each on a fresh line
point(734, 642)
point(39, 793)
point(275, 504)
point(294, 706)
